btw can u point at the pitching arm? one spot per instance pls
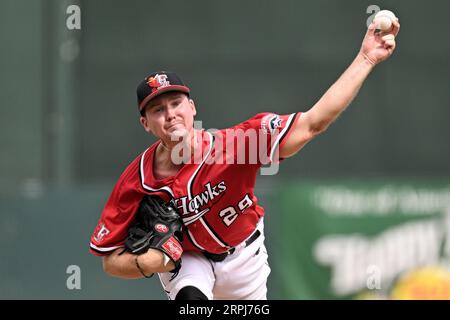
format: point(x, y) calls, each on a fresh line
point(376, 47)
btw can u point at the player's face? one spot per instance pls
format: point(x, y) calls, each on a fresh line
point(169, 114)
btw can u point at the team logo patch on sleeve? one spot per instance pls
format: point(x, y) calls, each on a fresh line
point(270, 123)
point(101, 233)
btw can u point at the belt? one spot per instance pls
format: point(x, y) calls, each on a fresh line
point(218, 257)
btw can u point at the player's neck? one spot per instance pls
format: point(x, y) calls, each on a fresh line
point(163, 167)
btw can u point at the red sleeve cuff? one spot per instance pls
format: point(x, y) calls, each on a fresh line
point(100, 252)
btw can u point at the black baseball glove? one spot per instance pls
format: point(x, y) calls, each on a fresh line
point(157, 225)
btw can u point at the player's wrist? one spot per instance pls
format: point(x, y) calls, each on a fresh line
point(364, 59)
point(155, 260)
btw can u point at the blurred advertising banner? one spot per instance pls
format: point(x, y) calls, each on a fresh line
point(365, 240)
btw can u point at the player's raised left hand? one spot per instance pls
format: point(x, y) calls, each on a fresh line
point(377, 46)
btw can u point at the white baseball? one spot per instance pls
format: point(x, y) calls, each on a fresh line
point(384, 19)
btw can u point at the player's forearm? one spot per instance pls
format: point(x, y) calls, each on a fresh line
point(124, 265)
point(339, 96)
point(121, 265)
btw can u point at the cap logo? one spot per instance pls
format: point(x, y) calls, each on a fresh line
point(157, 82)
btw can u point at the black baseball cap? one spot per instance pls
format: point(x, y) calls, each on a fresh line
point(157, 83)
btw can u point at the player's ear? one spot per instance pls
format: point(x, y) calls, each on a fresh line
point(144, 122)
point(193, 106)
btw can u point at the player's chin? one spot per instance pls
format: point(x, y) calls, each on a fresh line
point(177, 132)
point(175, 127)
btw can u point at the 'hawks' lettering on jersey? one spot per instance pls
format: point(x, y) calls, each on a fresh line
point(214, 195)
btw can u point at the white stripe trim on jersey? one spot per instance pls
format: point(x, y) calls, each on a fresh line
point(213, 235)
point(199, 167)
point(195, 242)
point(93, 246)
point(143, 175)
point(277, 141)
point(191, 219)
point(190, 198)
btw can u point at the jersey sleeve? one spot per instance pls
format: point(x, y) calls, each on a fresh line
point(260, 137)
point(118, 213)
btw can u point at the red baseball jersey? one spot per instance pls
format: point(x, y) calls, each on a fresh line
point(213, 193)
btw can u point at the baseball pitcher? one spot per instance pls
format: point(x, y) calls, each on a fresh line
point(185, 208)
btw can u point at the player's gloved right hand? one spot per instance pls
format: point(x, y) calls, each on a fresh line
point(158, 226)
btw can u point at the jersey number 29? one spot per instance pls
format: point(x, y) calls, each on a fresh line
point(229, 214)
